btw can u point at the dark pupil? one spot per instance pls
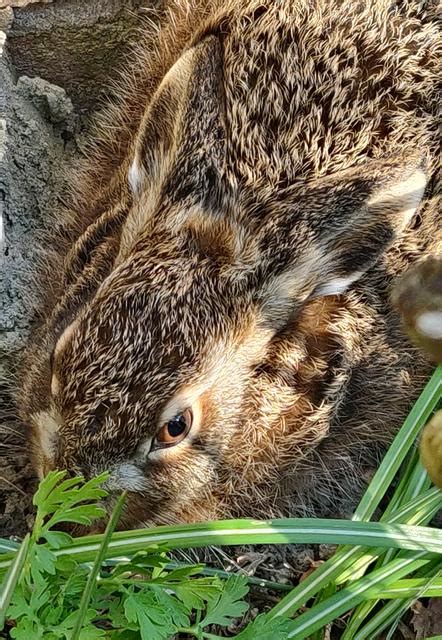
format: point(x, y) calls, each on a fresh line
point(176, 426)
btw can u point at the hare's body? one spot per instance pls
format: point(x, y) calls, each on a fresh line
point(265, 157)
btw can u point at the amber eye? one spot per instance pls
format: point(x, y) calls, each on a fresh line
point(175, 430)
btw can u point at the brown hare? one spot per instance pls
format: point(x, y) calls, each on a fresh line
point(216, 328)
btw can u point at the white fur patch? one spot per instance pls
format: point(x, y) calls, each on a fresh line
point(47, 429)
point(126, 476)
point(338, 285)
point(55, 385)
point(429, 324)
point(405, 195)
point(135, 177)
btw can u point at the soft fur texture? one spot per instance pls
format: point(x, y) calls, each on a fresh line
point(277, 153)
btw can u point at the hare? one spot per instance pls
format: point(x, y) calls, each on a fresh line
point(216, 328)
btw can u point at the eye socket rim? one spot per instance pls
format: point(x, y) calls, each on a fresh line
point(159, 444)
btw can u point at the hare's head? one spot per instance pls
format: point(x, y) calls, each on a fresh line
point(150, 379)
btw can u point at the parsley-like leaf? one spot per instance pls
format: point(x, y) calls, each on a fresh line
point(154, 622)
point(228, 604)
point(265, 628)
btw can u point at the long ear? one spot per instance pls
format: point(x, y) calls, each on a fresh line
point(181, 142)
point(333, 233)
point(367, 213)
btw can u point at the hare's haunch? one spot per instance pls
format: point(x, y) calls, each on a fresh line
point(216, 328)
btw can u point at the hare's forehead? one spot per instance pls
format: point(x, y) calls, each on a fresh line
point(148, 352)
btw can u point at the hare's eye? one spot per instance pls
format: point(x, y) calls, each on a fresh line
point(175, 430)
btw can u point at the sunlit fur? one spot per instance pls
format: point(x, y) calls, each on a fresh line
point(259, 158)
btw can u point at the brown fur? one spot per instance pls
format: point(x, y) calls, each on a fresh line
point(280, 151)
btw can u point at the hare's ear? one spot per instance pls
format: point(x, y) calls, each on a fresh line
point(365, 215)
point(338, 229)
point(180, 146)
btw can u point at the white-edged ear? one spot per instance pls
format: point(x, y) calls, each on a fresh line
point(135, 176)
point(181, 138)
point(400, 199)
point(179, 155)
point(338, 285)
point(337, 229)
point(369, 230)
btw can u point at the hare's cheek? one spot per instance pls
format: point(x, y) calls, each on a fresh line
point(45, 437)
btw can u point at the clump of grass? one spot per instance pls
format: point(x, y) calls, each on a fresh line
point(122, 586)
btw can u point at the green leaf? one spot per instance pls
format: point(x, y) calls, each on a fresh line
point(91, 633)
point(46, 486)
point(52, 615)
point(84, 514)
point(68, 500)
point(26, 629)
point(142, 608)
point(177, 611)
point(57, 539)
point(228, 604)
point(116, 613)
point(179, 574)
point(74, 586)
point(20, 606)
point(196, 593)
point(65, 564)
point(265, 628)
point(44, 559)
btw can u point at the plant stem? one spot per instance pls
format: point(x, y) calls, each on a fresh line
point(92, 579)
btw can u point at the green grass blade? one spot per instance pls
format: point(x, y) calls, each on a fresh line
point(403, 442)
point(319, 579)
point(401, 445)
point(324, 594)
point(12, 577)
point(432, 499)
point(8, 546)
point(346, 599)
point(387, 616)
point(410, 486)
point(98, 561)
point(420, 508)
point(383, 619)
point(237, 532)
point(412, 588)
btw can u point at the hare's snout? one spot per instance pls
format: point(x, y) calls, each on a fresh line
point(126, 476)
